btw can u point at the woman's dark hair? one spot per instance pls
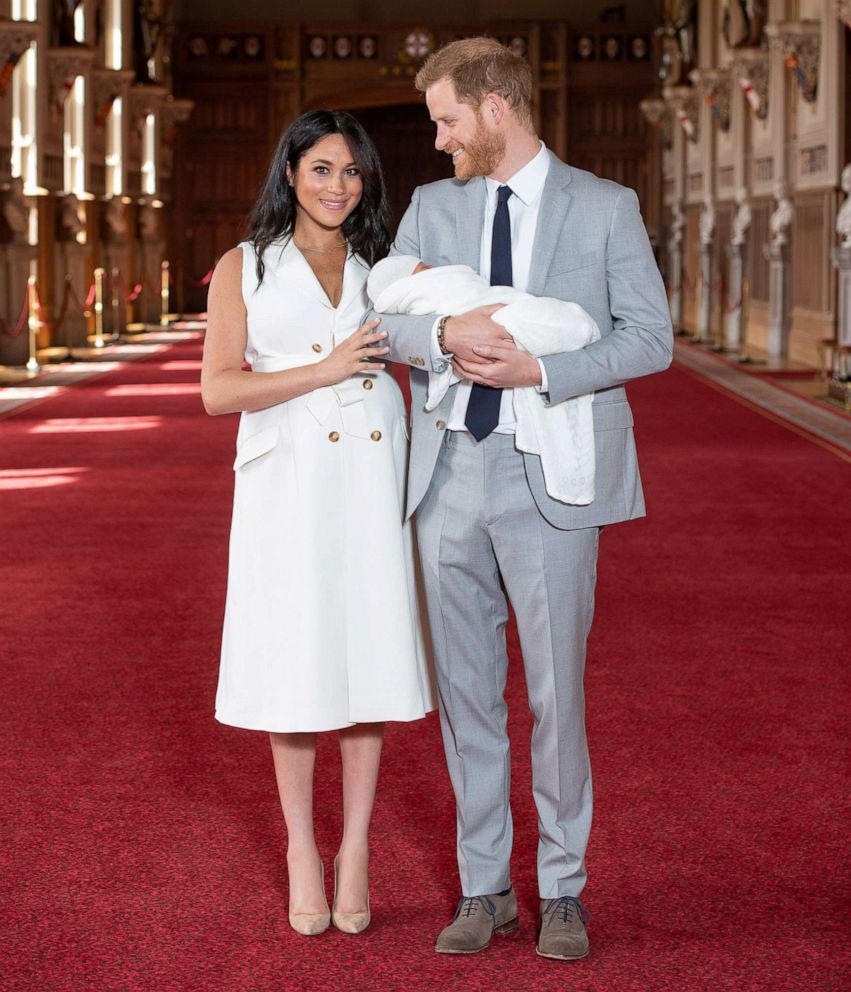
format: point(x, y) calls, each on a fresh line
point(367, 228)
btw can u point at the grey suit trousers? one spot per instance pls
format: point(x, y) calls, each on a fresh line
point(481, 535)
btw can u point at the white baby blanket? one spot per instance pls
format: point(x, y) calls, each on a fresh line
point(561, 435)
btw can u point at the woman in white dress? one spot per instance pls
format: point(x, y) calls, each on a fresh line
point(322, 629)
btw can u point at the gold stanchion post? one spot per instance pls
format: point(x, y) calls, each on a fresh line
point(99, 341)
point(164, 295)
point(33, 324)
point(115, 302)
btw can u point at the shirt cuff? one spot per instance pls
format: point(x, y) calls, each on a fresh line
point(439, 361)
point(544, 386)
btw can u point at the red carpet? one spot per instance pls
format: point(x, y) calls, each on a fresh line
point(143, 845)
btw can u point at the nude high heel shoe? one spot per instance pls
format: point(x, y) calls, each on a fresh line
point(349, 922)
point(312, 924)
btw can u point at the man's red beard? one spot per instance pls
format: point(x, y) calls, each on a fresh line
point(482, 153)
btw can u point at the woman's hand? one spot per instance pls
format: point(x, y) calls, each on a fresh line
point(353, 355)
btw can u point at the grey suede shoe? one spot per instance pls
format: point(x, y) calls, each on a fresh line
point(563, 935)
point(476, 920)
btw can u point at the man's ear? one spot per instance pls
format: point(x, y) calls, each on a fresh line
point(494, 107)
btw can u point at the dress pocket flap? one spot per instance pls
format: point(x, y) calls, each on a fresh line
point(611, 416)
point(579, 262)
point(256, 445)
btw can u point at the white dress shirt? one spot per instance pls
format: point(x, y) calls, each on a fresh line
point(527, 185)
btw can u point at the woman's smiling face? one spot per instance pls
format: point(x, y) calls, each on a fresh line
point(327, 182)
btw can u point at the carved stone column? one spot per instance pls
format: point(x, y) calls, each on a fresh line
point(842, 261)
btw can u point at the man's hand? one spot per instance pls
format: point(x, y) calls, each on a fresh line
point(500, 366)
point(468, 330)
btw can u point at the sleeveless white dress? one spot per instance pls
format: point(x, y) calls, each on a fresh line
point(322, 623)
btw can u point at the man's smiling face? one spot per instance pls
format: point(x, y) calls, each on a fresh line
point(463, 132)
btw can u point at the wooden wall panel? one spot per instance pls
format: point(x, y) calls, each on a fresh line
point(249, 80)
point(812, 239)
point(691, 237)
point(757, 240)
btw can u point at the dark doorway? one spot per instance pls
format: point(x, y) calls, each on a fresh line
point(404, 137)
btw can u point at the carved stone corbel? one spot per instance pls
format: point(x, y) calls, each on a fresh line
point(800, 42)
point(107, 86)
point(715, 85)
point(657, 113)
point(15, 38)
point(63, 67)
point(144, 99)
point(175, 111)
point(683, 101)
point(750, 68)
point(843, 11)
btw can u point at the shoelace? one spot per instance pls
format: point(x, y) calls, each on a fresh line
point(469, 906)
point(565, 906)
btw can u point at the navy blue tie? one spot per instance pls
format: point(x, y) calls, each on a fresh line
point(483, 408)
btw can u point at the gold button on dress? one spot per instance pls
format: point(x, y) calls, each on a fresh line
point(334, 436)
point(376, 435)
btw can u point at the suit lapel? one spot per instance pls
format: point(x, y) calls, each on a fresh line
point(552, 218)
point(469, 217)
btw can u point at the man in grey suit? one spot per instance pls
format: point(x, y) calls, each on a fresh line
point(486, 525)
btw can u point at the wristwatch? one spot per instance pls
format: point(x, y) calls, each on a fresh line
point(441, 334)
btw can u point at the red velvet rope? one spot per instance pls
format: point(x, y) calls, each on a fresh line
point(18, 329)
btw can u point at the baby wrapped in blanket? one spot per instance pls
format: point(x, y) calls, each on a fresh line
point(561, 435)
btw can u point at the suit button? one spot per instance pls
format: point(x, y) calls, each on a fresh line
point(376, 435)
point(367, 383)
point(334, 436)
point(440, 425)
point(316, 347)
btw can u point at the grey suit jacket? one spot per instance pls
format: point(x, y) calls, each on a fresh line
point(590, 248)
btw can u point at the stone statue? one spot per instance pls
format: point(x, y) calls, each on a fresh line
point(707, 221)
point(780, 221)
point(742, 219)
point(675, 229)
point(116, 223)
point(15, 211)
point(743, 23)
point(63, 22)
point(70, 224)
point(843, 217)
